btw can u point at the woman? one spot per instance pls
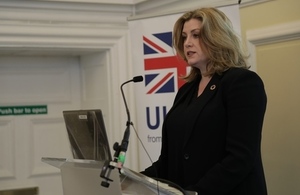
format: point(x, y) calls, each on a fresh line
point(211, 137)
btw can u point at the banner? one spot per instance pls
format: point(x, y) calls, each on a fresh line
point(156, 60)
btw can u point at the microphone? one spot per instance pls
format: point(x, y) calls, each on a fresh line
point(135, 80)
point(122, 148)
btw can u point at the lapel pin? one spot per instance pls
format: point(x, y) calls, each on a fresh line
point(213, 87)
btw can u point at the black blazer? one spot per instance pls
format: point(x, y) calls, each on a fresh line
point(221, 152)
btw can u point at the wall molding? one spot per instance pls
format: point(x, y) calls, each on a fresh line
point(273, 34)
point(269, 35)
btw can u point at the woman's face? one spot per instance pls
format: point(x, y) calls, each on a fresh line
point(192, 45)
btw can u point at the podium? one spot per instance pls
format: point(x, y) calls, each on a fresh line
point(83, 177)
point(88, 139)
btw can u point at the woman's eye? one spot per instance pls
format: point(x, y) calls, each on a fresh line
point(196, 35)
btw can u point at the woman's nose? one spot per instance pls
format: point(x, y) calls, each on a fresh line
point(188, 45)
point(187, 42)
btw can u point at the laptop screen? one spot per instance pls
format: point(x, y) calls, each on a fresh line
point(87, 134)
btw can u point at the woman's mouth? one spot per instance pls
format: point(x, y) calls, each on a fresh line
point(189, 53)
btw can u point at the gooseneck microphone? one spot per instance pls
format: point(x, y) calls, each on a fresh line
point(120, 149)
point(135, 80)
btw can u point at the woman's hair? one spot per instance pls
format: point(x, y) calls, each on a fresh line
point(220, 43)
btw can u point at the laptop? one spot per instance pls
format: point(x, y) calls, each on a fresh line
point(87, 134)
point(90, 149)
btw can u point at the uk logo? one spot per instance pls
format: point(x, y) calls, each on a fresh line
point(162, 66)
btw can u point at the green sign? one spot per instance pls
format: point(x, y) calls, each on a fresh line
point(23, 110)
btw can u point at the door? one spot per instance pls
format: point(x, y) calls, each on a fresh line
point(54, 83)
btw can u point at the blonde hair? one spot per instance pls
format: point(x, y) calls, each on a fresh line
point(221, 44)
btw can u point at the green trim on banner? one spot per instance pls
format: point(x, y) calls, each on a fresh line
point(23, 110)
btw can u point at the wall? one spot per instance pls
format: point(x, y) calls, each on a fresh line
point(277, 62)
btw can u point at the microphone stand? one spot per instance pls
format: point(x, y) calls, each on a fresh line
point(119, 157)
point(120, 149)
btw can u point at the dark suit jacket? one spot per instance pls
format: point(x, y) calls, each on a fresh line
point(221, 147)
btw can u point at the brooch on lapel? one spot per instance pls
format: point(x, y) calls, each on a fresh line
point(213, 87)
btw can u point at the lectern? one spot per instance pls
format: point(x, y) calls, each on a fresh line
point(90, 148)
point(83, 177)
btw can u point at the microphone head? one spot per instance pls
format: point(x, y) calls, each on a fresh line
point(137, 79)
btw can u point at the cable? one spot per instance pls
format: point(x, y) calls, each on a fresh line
point(172, 184)
point(157, 186)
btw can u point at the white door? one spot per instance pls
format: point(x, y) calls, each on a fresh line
point(53, 82)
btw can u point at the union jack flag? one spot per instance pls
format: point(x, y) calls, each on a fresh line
point(161, 64)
